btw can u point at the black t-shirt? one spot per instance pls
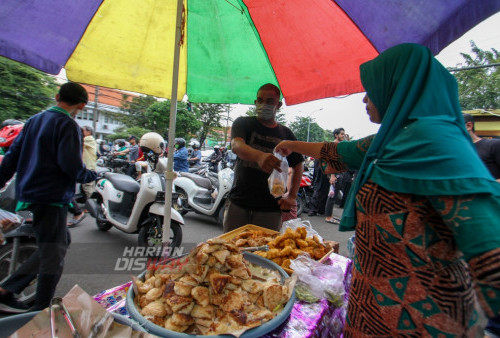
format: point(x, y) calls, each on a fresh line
point(489, 152)
point(250, 188)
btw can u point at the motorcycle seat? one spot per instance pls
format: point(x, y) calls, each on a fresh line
point(200, 181)
point(123, 182)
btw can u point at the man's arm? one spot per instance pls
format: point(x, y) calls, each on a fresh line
point(123, 152)
point(266, 161)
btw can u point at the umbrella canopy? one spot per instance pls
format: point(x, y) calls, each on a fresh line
point(310, 48)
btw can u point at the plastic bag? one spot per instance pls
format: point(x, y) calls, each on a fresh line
point(278, 180)
point(299, 223)
point(317, 281)
point(8, 221)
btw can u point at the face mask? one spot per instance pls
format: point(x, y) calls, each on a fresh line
point(176, 146)
point(265, 112)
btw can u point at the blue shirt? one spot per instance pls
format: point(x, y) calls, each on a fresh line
point(180, 160)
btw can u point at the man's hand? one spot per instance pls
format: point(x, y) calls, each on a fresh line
point(286, 203)
point(268, 162)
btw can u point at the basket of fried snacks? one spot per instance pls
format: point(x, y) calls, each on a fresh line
point(217, 289)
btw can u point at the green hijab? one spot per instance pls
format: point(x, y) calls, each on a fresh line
point(422, 146)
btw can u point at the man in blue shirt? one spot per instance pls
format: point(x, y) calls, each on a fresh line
point(47, 157)
point(180, 156)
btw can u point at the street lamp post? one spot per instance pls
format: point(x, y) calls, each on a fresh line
point(309, 123)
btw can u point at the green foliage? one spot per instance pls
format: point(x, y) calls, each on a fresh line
point(302, 124)
point(158, 116)
point(24, 91)
point(136, 110)
point(479, 88)
point(210, 116)
point(328, 135)
point(125, 133)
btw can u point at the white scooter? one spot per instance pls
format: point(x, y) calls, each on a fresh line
point(203, 195)
point(136, 207)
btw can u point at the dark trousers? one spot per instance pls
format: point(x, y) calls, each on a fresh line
point(318, 199)
point(53, 239)
point(329, 206)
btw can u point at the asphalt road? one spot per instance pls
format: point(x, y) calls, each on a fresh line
point(98, 261)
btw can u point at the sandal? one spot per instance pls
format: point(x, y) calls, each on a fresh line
point(332, 220)
point(74, 222)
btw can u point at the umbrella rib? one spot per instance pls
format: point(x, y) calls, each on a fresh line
point(240, 9)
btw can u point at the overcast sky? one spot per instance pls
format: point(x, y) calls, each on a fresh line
point(349, 112)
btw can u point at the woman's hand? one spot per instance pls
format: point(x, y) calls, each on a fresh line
point(284, 148)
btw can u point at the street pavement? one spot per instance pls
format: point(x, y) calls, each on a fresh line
point(98, 260)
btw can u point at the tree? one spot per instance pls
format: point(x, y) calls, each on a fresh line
point(24, 91)
point(479, 88)
point(210, 116)
point(135, 110)
point(186, 123)
point(125, 133)
point(302, 124)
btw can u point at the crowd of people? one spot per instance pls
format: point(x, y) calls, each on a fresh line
point(422, 195)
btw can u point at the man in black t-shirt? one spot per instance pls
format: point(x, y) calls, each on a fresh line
point(253, 139)
point(488, 149)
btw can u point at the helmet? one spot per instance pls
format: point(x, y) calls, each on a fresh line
point(152, 142)
point(9, 133)
point(216, 146)
point(180, 141)
point(195, 144)
point(10, 122)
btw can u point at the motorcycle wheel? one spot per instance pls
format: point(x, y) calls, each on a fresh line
point(183, 199)
point(28, 295)
point(150, 234)
point(300, 204)
point(101, 222)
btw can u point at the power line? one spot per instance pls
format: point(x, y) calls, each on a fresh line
point(473, 67)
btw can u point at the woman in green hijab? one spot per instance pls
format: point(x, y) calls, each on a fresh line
point(425, 209)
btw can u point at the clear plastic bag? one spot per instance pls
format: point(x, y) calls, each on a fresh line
point(318, 280)
point(278, 180)
point(8, 221)
point(299, 223)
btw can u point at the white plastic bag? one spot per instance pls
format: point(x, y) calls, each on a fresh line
point(319, 280)
point(278, 180)
point(299, 223)
point(8, 221)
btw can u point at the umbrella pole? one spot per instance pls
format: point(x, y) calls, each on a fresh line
point(169, 174)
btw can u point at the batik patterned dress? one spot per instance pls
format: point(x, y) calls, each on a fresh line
point(410, 278)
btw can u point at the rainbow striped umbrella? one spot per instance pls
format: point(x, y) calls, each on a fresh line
point(310, 48)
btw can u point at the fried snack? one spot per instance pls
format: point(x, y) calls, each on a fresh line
point(278, 189)
point(216, 292)
point(285, 247)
